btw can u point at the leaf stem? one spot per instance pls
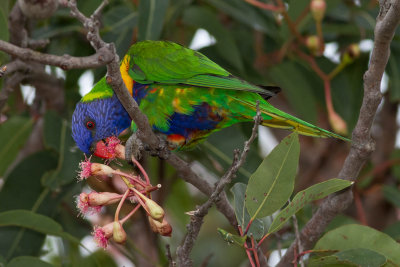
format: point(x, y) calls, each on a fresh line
point(121, 202)
point(248, 227)
point(141, 170)
point(262, 239)
point(247, 248)
point(135, 179)
point(253, 245)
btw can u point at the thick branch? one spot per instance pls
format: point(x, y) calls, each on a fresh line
point(66, 62)
point(362, 146)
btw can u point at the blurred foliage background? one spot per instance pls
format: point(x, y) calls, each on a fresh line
point(39, 161)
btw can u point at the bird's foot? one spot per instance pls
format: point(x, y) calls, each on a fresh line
point(135, 147)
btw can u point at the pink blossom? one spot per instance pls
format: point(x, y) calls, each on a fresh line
point(84, 207)
point(101, 235)
point(86, 169)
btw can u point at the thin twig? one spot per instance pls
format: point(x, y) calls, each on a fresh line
point(298, 244)
point(171, 262)
point(196, 222)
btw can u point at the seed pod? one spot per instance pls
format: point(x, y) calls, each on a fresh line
point(119, 234)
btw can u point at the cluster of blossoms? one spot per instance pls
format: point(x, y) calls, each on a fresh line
point(138, 189)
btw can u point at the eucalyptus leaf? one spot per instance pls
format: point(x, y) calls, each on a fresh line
point(308, 195)
point(28, 261)
point(393, 230)
point(359, 257)
point(355, 236)
point(30, 220)
point(119, 24)
point(271, 185)
point(297, 89)
point(151, 18)
point(22, 190)
point(242, 215)
point(393, 70)
point(202, 17)
point(392, 194)
point(13, 134)
point(57, 136)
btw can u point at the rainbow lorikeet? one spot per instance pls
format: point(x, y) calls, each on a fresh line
point(185, 96)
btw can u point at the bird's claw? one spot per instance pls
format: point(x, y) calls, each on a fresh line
point(135, 147)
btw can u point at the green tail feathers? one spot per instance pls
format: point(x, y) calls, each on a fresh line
point(273, 117)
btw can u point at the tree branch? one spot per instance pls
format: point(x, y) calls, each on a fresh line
point(66, 62)
point(196, 221)
point(144, 132)
point(362, 145)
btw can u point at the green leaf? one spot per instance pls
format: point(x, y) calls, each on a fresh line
point(22, 190)
point(119, 23)
point(202, 17)
point(242, 215)
point(393, 70)
point(393, 230)
point(272, 183)
point(151, 18)
point(28, 261)
point(231, 238)
point(30, 220)
point(308, 195)
point(355, 236)
point(13, 135)
point(35, 222)
point(297, 89)
point(329, 261)
point(392, 194)
point(360, 257)
point(57, 136)
point(246, 14)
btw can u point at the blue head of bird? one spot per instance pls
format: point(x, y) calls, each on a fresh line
point(95, 121)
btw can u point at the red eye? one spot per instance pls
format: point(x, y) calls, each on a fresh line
point(90, 125)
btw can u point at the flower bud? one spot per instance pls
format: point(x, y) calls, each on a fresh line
point(155, 211)
point(313, 44)
point(101, 170)
point(352, 52)
point(102, 198)
point(119, 234)
point(318, 8)
point(101, 235)
point(163, 228)
point(337, 123)
point(90, 169)
point(84, 206)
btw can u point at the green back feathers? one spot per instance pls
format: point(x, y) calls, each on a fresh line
point(161, 61)
point(169, 63)
point(101, 90)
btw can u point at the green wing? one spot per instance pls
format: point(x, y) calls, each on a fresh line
point(169, 63)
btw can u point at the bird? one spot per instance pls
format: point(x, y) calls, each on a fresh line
point(185, 96)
